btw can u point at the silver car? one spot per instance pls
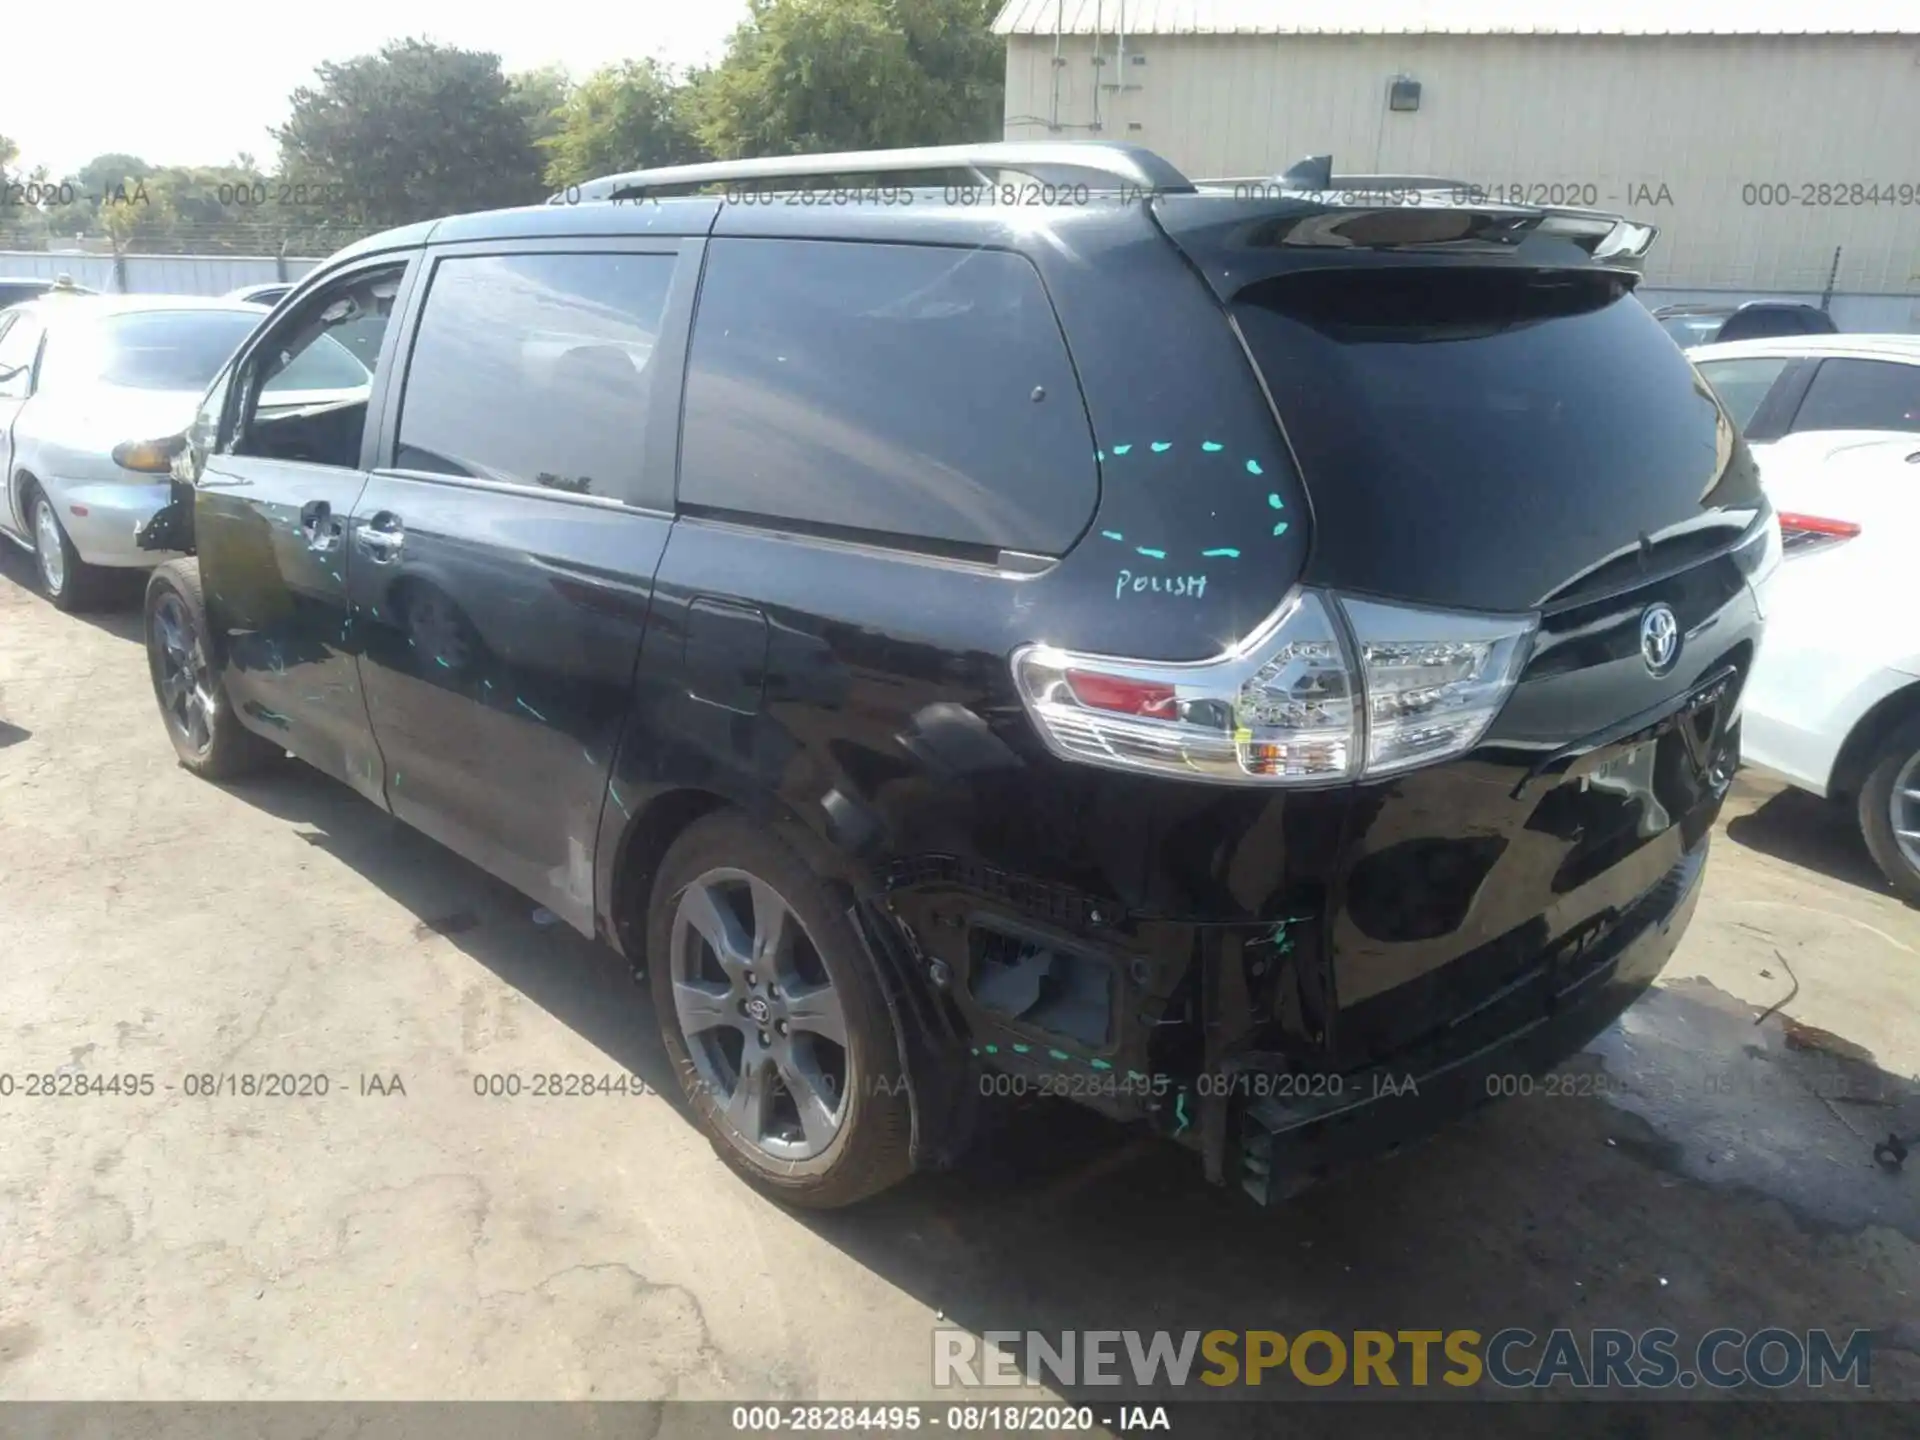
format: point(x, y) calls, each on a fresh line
point(94, 393)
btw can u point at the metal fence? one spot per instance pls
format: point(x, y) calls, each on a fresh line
point(134, 274)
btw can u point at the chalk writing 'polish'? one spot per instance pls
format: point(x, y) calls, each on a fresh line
point(1192, 587)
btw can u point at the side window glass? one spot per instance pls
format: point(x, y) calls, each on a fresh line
point(1862, 395)
point(898, 390)
point(536, 370)
point(19, 347)
point(1743, 384)
point(306, 390)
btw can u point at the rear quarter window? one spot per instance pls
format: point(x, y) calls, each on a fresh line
point(919, 392)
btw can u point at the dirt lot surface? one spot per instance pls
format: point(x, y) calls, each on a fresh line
point(434, 1244)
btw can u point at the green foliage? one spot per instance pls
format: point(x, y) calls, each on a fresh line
point(418, 130)
point(817, 75)
point(622, 117)
point(541, 96)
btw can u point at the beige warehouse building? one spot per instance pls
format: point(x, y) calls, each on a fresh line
point(1776, 147)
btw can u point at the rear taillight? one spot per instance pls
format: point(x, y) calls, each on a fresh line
point(1802, 534)
point(1327, 689)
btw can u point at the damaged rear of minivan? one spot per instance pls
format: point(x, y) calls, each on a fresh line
point(1437, 818)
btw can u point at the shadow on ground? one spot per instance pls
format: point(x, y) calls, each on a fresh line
point(118, 613)
point(1816, 834)
point(1691, 1169)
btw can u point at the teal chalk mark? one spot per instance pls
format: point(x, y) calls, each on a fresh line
point(529, 709)
point(1098, 456)
point(1059, 1055)
point(1021, 1049)
point(587, 755)
point(1122, 449)
point(621, 803)
point(441, 661)
point(1210, 446)
point(1113, 535)
point(1227, 552)
point(1180, 1112)
point(976, 1050)
point(1150, 554)
point(396, 777)
point(1160, 447)
point(376, 611)
point(412, 644)
point(993, 1049)
point(486, 684)
point(1276, 502)
point(1253, 468)
point(1281, 528)
point(1100, 1065)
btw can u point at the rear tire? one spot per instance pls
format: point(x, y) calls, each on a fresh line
point(199, 720)
point(67, 580)
point(1889, 805)
point(775, 1014)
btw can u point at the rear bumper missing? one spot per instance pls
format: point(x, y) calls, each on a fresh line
point(1286, 1142)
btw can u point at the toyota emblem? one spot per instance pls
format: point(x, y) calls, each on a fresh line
point(758, 1009)
point(1659, 638)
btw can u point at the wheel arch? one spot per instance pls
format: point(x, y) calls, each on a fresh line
point(1856, 753)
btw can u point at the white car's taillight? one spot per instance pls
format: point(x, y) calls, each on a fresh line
point(1306, 698)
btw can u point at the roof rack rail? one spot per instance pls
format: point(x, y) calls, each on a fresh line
point(1130, 166)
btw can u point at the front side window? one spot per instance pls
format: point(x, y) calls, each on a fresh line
point(1743, 384)
point(308, 385)
point(536, 370)
point(1862, 395)
point(900, 390)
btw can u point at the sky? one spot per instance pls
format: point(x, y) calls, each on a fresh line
point(196, 84)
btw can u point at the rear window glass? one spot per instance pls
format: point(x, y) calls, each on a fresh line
point(148, 350)
point(1861, 395)
point(895, 390)
point(1485, 432)
point(1743, 384)
point(1688, 330)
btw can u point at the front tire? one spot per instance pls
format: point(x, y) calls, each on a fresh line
point(774, 1020)
point(1889, 809)
point(67, 580)
point(200, 722)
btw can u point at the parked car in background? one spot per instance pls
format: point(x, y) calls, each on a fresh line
point(269, 293)
point(17, 289)
point(94, 393)
point(1834, 703)
point(1691, 325)
point(1122, 649)
point(1796, 400)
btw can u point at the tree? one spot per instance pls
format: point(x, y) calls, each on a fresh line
point(540, 96)
point(415, 131)
point(623, 117)
point(811, 75)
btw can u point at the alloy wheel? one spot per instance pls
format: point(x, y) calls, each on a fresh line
point(49, 547)
point(764, 1025)
point(1904, 805)
point(186, 689)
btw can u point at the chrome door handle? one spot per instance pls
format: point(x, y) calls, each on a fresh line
point(319, 526)
point(381, 538)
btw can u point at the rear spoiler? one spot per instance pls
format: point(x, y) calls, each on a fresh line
point(1243, 230)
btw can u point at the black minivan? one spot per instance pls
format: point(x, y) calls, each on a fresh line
point(1261, 661)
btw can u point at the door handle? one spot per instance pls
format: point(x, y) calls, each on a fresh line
point(381, 537)
point(319, 526)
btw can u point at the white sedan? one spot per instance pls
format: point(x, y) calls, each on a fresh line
point(1833, 705)
point(94, 391)
point(1799, 397)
